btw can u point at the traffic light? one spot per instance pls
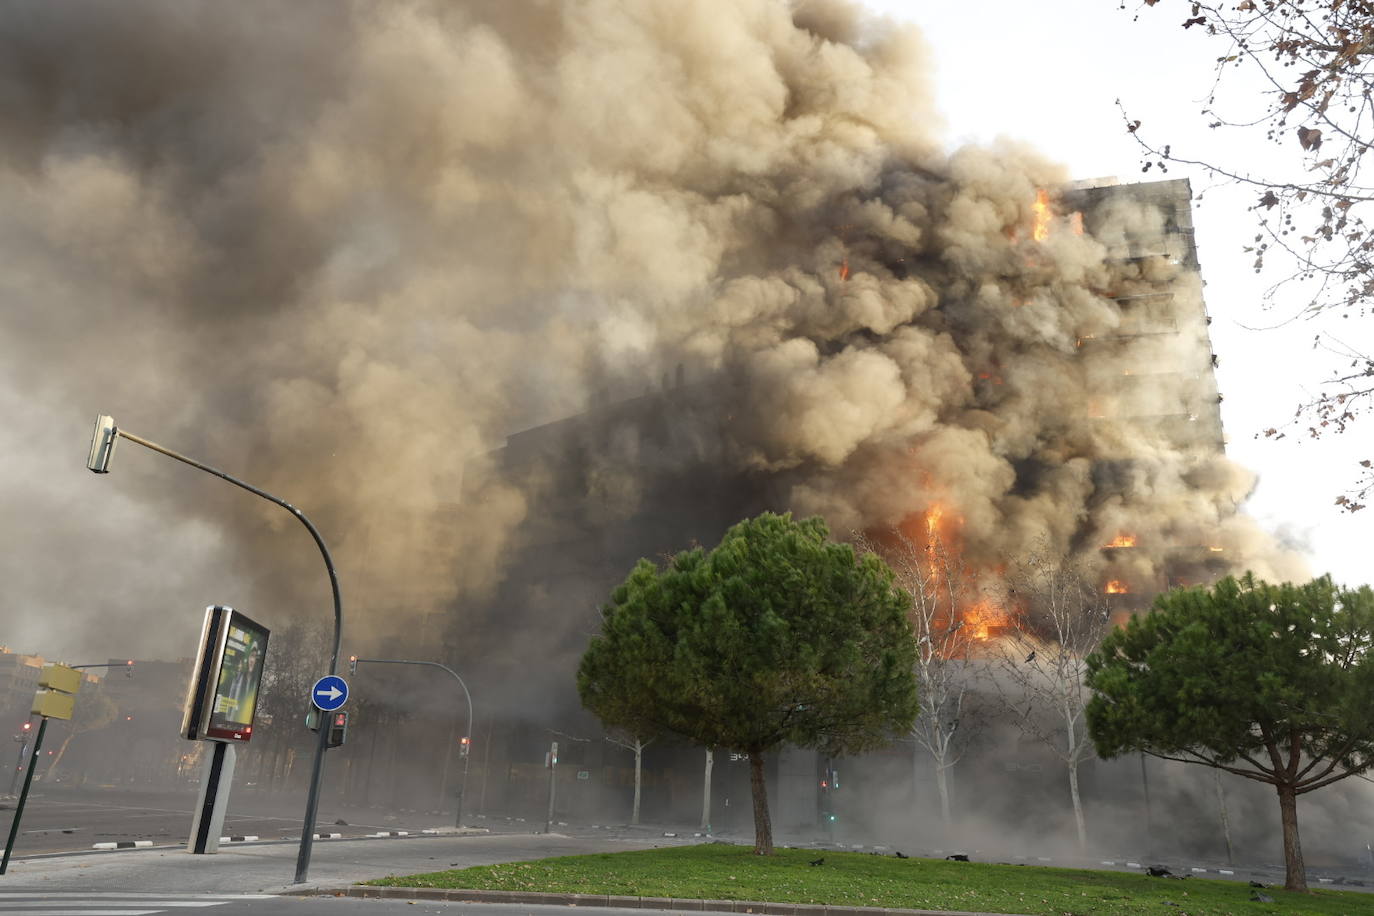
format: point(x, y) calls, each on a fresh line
point(353, 664)
point(26, 726)
point(338, 729)
point(464, 745)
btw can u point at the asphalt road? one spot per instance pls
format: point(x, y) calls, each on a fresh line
point(68, 820)
point(265, 868)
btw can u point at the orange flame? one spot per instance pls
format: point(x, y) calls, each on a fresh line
point(1041, 231)
point(844, 269)
point(985, 621)
point(1121, 540)
point(933, 516)
point(1116, 587)
point(1076, 222)
point(1216, 549)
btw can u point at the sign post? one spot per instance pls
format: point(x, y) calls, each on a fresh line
point(56, 697)
point(327, 694)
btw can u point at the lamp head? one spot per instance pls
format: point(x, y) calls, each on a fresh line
point(102, 445)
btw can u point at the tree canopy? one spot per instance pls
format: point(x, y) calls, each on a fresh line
point(777, 636)
point(1269, 682)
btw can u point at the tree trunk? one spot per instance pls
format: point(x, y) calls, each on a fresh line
point(917, 757)
point(763, 827)
point(1077, 807)
point(639, 761)
point(1225, 821)
point(706, 791)
point(1295, 875)
point(52, 767)
point(942, 782)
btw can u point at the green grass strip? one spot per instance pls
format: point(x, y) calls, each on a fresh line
point(718, 871)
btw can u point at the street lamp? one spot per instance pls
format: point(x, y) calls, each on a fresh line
point(465, 744)
point(103, 441)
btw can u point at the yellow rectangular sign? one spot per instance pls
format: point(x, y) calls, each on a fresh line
point(60, 677)
point(53, 703)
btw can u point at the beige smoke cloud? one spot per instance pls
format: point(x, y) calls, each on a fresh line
point(343, 249)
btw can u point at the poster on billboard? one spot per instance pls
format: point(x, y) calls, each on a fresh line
point(223, 694)
point(240, 673)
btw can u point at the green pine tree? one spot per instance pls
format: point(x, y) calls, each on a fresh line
point(776, 636)
point(1269, 682)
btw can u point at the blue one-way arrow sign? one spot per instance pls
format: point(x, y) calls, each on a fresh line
point(329, 693)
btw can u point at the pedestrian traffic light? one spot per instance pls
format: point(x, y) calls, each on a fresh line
point(353, 664)
point(464, 745)
point(338, 729)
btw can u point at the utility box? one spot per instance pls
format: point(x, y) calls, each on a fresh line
point(54, 704)
point(60, 677)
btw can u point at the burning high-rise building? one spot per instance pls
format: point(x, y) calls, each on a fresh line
point(1096, 438)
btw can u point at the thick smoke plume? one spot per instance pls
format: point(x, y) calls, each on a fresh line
point(343, 249)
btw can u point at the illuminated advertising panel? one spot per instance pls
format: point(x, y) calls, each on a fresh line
point(236, 686)
point(223, 694)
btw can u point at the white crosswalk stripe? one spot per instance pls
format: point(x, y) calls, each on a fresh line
point(111, 903)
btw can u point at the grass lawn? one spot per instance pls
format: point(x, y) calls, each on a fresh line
point(717, 871)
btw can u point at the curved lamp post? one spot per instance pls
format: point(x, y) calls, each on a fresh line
point(102, 450)
point(354, 662)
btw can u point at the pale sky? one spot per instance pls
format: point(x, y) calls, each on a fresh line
point(1049, 74)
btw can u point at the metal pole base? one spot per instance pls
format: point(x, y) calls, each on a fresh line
point(216, 776)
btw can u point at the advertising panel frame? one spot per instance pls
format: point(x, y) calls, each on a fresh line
point(225, 675)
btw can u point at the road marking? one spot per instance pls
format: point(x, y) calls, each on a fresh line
point(134, 895)
point(30, 912)
point(114, 903)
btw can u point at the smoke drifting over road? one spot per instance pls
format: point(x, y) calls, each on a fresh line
point(342, 249)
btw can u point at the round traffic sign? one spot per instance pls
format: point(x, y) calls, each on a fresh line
point(329, 693)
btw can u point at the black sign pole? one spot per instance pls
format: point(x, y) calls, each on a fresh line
point(23, 796)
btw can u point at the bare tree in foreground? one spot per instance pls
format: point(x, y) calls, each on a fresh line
point(1063, 619)
point(944, 619)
